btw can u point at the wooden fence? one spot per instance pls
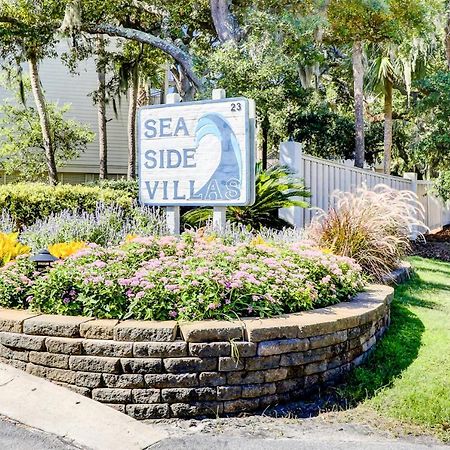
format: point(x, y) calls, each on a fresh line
point(323, 177)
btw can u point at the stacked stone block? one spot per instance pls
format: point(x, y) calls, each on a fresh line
point(169, 369)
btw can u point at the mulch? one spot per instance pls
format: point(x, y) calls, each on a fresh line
point(436, 245)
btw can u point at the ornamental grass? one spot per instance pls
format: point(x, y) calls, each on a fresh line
point(373, 227)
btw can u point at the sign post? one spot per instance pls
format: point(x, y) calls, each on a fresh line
point(219, 212)
point(197, 154)
point(173, 218)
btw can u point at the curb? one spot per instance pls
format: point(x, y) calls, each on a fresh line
point(399, 275)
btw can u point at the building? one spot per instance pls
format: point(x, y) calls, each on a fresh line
point(66, 88)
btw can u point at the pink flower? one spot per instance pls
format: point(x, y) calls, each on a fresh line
point(213, 305)
point(172, 287)
point(166, 240)
point(99, 264)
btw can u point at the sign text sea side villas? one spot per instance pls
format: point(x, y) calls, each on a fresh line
point(199, 153)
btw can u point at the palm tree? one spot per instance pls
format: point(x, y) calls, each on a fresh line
point(275, 188)
point(358, 90)
point(393, 66)
point(101, 108)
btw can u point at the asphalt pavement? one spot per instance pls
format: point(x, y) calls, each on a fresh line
point(15, 436)
point(246, 443)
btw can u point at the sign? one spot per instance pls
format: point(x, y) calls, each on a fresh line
point(198, 153)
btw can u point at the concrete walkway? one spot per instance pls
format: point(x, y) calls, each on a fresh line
point(44, 406)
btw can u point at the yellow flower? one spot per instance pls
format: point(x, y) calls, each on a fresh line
point(65, 249)
point(10, 248)
point(130, 237)
point(258, 240)
point(210, 238)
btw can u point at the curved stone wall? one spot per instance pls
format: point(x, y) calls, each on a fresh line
point(170, 369)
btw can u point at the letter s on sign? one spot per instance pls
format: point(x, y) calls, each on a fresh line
point(151, 162)
point(150, 127)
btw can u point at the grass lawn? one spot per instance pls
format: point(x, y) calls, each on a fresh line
point(407, 378)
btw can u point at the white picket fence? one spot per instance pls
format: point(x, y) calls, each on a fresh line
point(322, 177)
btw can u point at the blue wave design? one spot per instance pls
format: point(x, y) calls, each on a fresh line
point(230, 166)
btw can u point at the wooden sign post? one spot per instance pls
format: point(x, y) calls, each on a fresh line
point(219, 212)
point(173, 218)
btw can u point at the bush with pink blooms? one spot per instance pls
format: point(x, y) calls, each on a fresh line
point(188, 278)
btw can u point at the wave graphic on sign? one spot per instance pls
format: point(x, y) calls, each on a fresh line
point(229, 169)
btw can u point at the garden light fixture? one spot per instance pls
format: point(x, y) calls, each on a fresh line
point(43, 259)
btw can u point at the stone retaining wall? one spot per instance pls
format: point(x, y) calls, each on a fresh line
point(169, 369)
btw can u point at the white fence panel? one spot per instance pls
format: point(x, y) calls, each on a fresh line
point(437, 213)
point(323, 177)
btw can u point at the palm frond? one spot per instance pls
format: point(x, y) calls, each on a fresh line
point(276, 187)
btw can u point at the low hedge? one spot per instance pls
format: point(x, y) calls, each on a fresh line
point(126, 186)
point(28, 202)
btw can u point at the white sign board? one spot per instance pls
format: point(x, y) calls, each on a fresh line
point(198, 153)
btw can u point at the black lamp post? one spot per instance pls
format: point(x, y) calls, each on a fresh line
point(43, 259)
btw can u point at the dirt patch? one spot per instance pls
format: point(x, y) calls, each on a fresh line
point(440, 236)
point(436, 245)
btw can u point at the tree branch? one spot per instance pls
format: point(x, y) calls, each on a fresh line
point(10, 20)
point(151, 9)
point(225, 22)
point(180, 56)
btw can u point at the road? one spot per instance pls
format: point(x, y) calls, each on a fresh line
point(246, 443)
point(271, 433)
point(14, 436)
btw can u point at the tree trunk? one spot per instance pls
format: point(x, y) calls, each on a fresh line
point(101, 110)
point(447, 39)
point(44, 120)
point(143, 98)
point(388, 87)
point(132, 99)
point(185, 88)
point(225, 23)
point(265, 142)
point(358, 85)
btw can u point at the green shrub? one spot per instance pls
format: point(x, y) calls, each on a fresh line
point(193, 277)
point(124, 185)
point(275, 188)
point(16, 278)
point(442, 186)
point(28, 202)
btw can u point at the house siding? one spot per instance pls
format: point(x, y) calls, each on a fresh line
point(65, 88)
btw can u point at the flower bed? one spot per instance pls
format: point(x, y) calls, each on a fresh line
point(193, 277)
